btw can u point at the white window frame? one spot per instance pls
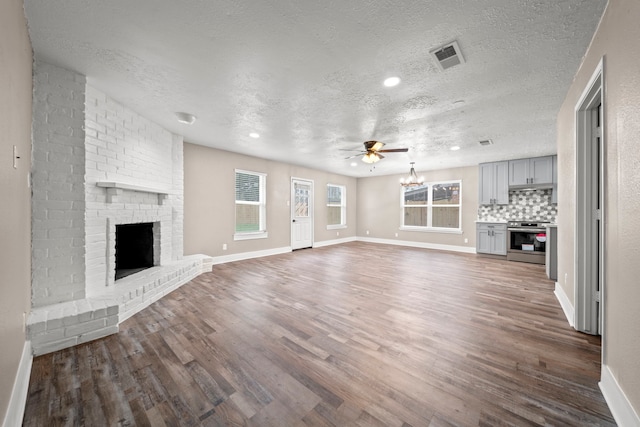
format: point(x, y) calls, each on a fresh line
point(429, 205)
point(342, 205)
point(262, 203)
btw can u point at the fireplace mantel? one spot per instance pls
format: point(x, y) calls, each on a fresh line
point(114, 189)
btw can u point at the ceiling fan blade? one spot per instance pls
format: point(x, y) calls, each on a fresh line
point(355, 155)
point(379, 155)
point(394, 150)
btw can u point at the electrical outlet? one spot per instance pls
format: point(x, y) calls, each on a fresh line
point(466, 240)
point(337, 233)
point(367, 232)
point(396, 234)
point(224, 246)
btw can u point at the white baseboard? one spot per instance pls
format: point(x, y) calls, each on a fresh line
point(334, 242)
point(423, 245)
point(15, 411)
point(566, 305)
point(249, 255)
point(620, 407)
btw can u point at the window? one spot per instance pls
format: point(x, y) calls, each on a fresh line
point(432, 206)
point(250, 205)
point(336, 206)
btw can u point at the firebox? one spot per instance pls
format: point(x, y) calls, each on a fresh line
point(134, 248)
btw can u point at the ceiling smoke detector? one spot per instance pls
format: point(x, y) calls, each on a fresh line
point(485, 142)
point(185, 118)
point(448, 55)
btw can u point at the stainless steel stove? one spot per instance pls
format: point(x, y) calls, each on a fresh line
point(526, 241)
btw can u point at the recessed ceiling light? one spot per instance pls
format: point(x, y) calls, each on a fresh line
point(185, 118)
point(454, 148)
point(254, 135)
point(354, 164)
point(392, 81)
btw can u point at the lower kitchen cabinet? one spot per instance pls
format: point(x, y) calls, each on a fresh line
point(491, 238)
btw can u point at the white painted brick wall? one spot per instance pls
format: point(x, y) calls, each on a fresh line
point(122, 146)
point(177, 202)
point(81, 137)
point(58, 185)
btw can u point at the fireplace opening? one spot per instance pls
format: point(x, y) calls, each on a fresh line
point(134, 248)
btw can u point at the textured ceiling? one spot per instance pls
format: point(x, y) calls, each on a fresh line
point(307, 75)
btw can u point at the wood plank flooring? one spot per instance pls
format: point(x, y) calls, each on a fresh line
point(349, 335)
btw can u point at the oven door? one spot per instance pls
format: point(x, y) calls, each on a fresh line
point(526, 245)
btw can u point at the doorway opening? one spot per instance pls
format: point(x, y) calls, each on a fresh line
point(590, 215)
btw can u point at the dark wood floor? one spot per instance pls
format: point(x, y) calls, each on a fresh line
point(349, 335)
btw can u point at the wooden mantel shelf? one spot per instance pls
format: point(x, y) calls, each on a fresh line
point(114, 189)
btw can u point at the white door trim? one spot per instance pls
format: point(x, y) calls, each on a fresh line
point(589, 316)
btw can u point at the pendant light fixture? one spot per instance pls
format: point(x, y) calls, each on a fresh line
point(412, 180)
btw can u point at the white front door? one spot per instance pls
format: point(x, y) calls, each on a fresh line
point(301, 214)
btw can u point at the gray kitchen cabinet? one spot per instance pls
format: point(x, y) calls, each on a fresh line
point(494, 183)
point(491, 238)
point(536, 171)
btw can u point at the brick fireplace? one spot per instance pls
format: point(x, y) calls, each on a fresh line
point(98, 165)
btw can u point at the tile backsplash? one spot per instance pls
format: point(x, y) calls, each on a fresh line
point(523, 205)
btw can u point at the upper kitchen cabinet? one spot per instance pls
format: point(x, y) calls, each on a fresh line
point(494, 183)
point(537, 171)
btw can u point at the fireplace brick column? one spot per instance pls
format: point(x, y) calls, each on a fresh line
point(58, 203)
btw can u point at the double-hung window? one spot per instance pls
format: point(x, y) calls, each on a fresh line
point(251, 222)
point(432, 206)
point(336, 206)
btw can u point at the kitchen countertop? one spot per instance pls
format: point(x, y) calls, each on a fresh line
point(497, 221)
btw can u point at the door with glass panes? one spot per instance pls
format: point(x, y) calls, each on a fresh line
point(301, 214)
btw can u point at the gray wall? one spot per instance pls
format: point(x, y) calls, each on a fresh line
point(617, 40)
point(209, 202)
point(15, 209)
point(379, 208)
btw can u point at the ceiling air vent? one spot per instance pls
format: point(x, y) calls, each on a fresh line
point(485, 142)
point(448, 55)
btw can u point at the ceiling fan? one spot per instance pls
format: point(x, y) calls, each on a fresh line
point(373, 150)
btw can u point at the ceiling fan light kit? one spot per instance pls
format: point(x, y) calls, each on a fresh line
point(371, 157)
point(412, 180)
point(372, 150)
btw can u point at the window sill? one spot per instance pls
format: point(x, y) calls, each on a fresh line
point(336, 227)
point(251, 236)
point(433, 230)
